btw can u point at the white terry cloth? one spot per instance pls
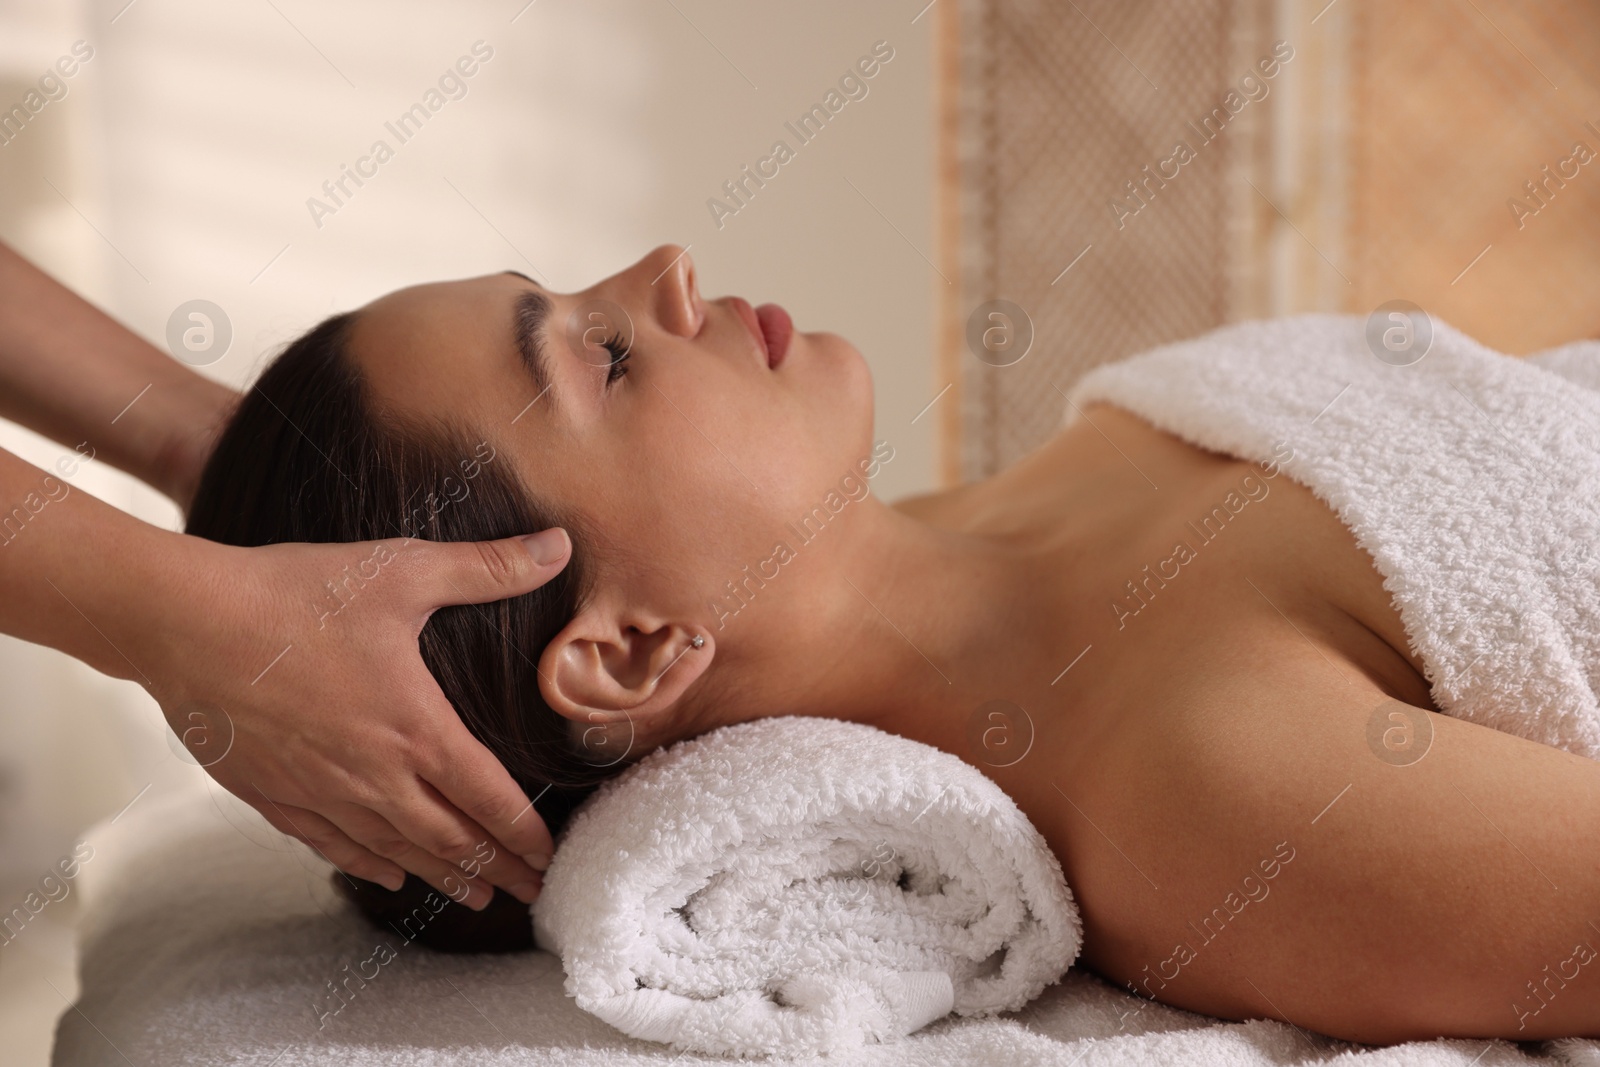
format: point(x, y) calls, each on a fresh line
point(206, 937)
point(794, 885)
point(1471, 477)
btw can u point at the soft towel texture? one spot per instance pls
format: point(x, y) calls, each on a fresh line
point(802, 885)
point(208, 938)
point(1472, 479)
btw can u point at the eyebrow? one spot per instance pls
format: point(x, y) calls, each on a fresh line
point(532, 312)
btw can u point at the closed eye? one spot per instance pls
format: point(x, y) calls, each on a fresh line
point(618, 347)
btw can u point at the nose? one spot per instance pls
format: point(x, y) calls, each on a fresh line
point(665, 282)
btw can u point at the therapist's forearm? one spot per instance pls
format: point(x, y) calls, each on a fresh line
point(70, 372)
point(81, 576)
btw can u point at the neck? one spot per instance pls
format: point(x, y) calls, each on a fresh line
point(887, 620)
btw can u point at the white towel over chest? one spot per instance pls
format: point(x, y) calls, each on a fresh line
point(1471, 477)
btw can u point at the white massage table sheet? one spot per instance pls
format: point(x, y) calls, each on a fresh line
point(208, 938)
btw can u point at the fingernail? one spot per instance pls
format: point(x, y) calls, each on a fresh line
point(537, 860)
point(526, 892)
point(547, 546)
point(392, 882)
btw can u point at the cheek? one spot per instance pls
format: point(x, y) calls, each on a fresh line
point(714, 483)
point(684, 522)
point(685, 474)
point(715, 465)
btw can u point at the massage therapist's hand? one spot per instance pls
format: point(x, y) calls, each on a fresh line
point(325, 719)
point(338, 734)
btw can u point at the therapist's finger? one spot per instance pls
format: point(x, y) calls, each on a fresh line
point(438, 829)
point(478, 572)
point(373, 830)
point(333, 844)
point(468, 777)
point(487, 867)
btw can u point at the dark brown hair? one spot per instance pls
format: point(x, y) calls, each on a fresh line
point(304, 459)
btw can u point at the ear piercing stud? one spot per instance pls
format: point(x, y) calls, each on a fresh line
point(699, 641)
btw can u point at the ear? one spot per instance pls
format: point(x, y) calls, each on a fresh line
point(610, 667)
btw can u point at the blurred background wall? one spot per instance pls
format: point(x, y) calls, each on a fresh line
point(179, 164)
point(1338, 155)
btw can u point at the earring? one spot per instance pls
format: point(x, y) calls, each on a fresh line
point(698, 642)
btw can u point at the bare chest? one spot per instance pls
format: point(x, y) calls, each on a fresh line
point(1174, 547)
point(1189, 573)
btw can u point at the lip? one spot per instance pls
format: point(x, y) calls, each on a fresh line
point(777, 330)
point(770, 327)
point(747, 315)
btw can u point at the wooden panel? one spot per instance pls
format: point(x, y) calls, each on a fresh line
point(1392, 160)
point(1064, 113)
point(1458, 104)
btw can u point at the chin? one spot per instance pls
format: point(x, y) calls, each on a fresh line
point(845, 388)
point(859, 404)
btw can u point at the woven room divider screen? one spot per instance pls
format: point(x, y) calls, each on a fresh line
point(1127, 174)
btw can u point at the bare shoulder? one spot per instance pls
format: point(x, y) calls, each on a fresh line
point(1274, 845)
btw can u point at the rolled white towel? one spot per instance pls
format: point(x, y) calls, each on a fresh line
point(798, 885)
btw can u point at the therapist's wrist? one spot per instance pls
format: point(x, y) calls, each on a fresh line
point(194, 418)
point(169, 602)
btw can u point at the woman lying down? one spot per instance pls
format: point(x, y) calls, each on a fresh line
point(1388, 710)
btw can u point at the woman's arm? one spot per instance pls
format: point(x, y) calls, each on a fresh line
point(71, 372)
point(1303, 876)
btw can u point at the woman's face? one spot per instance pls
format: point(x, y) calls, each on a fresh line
point(685, 460)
